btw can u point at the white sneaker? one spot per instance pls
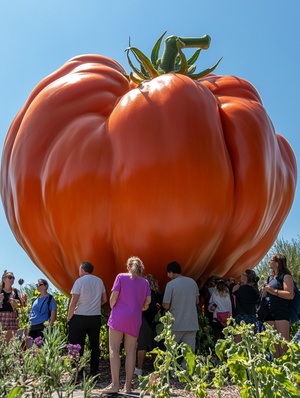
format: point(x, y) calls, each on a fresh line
point(138, 371)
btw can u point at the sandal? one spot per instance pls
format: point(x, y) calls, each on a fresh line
point(110, 389)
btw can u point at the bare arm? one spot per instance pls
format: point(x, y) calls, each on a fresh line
point(235, 288)
point(113, 298)
point(146, 303)
point(72, 306)
point(288, 289)
point(52, 317)
point(166, 306)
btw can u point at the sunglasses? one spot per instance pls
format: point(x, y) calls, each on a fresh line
point(10, 277)
point(41, 284)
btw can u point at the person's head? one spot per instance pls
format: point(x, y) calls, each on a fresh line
point(86, 268)
point(7, 279)
point(211, 282)
point(278, 264)
point(42, 285)
point(135, 266)
point(153, 283)
point(173, 268)
point(230, 281)
point(222, 288)
point(249, 277)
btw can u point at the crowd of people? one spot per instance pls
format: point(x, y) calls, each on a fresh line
point(135, 301)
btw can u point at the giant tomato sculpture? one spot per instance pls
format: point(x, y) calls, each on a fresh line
point(99, 166)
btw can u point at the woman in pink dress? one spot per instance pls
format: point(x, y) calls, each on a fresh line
point(130, 296)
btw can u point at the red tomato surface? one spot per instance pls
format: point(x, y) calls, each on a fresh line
point(96, 168)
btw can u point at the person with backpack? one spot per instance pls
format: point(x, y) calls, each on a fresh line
point(279, 291)
point(43, 309)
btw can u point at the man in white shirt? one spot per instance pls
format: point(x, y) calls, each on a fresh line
point(84, 315)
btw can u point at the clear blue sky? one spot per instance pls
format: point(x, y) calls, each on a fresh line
point(259, 41)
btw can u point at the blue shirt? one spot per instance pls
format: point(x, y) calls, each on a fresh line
point(40, 310)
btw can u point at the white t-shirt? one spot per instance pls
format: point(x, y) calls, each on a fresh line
point(90, 289)
point(223, 303)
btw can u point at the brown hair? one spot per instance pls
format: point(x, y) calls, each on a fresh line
point(44, 281)
point(222, 289)
point(5, 273)
point(282, 264)
point(153, 283)
point(252, 278)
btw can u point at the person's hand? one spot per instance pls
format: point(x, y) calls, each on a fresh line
point(14, 303)
point(269, 289)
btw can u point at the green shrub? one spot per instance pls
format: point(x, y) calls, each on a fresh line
point(249, 364)
point(44, 369)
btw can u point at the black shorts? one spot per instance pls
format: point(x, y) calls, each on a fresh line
point(248, 319)
point(146, 337)
point(278, 313)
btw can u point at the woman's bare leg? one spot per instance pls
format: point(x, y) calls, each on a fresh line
point(282, 327)
point(130, 349)
point(115, 339)
point(141, 355)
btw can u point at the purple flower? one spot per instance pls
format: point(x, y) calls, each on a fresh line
point(74, 350)
point(38, 341)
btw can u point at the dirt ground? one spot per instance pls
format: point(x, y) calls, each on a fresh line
point(177, 387)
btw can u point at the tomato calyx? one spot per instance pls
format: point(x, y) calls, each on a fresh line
point(172, 60)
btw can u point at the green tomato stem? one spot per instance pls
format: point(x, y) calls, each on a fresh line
point(174, 44)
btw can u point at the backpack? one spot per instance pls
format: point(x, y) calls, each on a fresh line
point(50, 297)
point(295, 302)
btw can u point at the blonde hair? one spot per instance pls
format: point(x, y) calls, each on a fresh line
point(135, 266)
point(222, 289)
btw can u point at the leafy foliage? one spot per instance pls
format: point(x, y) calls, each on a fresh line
point(251, 365)
point(248, 363)
point(42, 370)
point(291, 249)
point(178, 360)
point(62, 302)
point(155, 66)
point(205, 342)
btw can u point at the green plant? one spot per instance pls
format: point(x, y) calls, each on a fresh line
point(62, 303)
point(104, 346)
point(251, 365)
point(291, 249)
point(205, 342)
point(178, 359)
point(44, 369)
point(248, 363)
